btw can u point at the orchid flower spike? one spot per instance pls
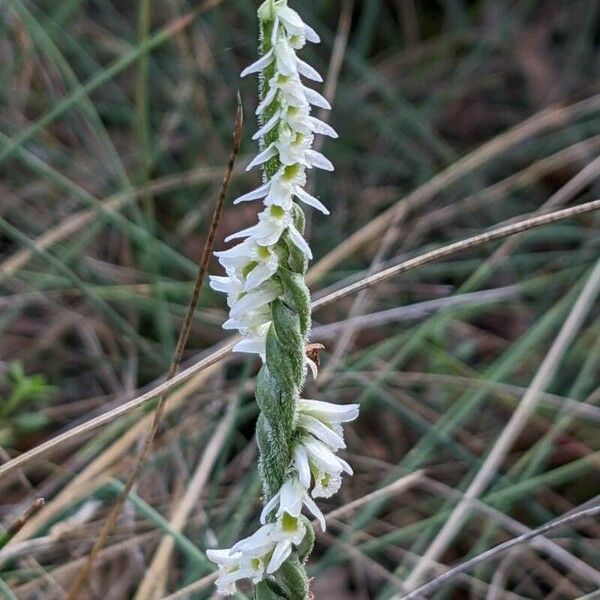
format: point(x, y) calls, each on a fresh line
point(269, 306)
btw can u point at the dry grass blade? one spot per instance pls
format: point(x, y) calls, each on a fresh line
point(548, 118)
point(517, 422)
point(495, 234)
point(155, 576)
point(223, 351)
point(81, 580)
point(15, 527)
point(493, 552)
point(73, 434)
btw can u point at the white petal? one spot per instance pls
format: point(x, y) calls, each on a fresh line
point(241, 234)
point(299, 241)
point(302, 466)
point(224, 557)
point(346, 467)
point(250, 346)
point(257, 544)
point(241, 250)
point(316, 99)
point(312, 365)
point(275, 31)
point(270, 124)
point(322, 456)
point(322, 128)
point(310, 200)
point(321, 431)
point(269, 506)
point(269, 152)
point(290, 498)
point(308, 71)
point(291, 18)
point(282, 551)
point(286, 58)
point(259, 274)
point(340, 413)
point(311, 35)
point(314, 509)
point(266, 101)
point(253, 300)
point(256, 194)
point(220, 284)
point(259, 65)
point(316, 159)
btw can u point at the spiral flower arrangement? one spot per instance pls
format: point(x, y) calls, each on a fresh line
point(269, 305)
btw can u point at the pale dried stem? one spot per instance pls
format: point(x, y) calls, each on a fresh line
point(546, 119)
point(514, 427)
point(223, 351)
point(155, 577)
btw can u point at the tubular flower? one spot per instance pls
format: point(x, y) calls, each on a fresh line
point(269, 305)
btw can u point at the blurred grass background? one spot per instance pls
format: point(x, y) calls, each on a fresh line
point(454, 116)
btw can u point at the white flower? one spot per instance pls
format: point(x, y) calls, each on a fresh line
point(229, 569)
point(289, 501)
point(269, 544)
point(329, 414)
point(292, 93)
point(296, 28)
point(256, 299)
point(251, 558)
point(272, 222)
point(314, 459)
point(231, 285)
point(283, 186)
point(254, 341)
point(252, 264)
point(235, 565)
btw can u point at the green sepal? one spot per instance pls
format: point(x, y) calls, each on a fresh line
point(292, 576)
point(296, 260)
point(268, 391)
point(297, 296)
point(308, 542)
point(286, 367)
point(288, 327)
point(274, 455)
point(299, 218)
point(276, 589)
point(264, 591)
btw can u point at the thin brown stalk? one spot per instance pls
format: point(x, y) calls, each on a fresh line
point(82, 578)
point(17, 525)
point(425, 590)
point(514, 426)
point(547, 119)
point(475, 241)
point(224, 350)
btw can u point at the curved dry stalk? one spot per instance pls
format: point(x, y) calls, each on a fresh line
point(493, 552)
point(155, 574)
point(224, 350)
point(82, 483)
point(513, 428)
point(73, 434)
point(77, 221)
point(546, 119)
point(111, 521)
point(492, 235)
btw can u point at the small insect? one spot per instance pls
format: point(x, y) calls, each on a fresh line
point(312, 352)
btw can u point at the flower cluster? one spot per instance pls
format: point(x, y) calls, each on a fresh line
point(302, 436)
point(251, 265)
point(315, 464)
